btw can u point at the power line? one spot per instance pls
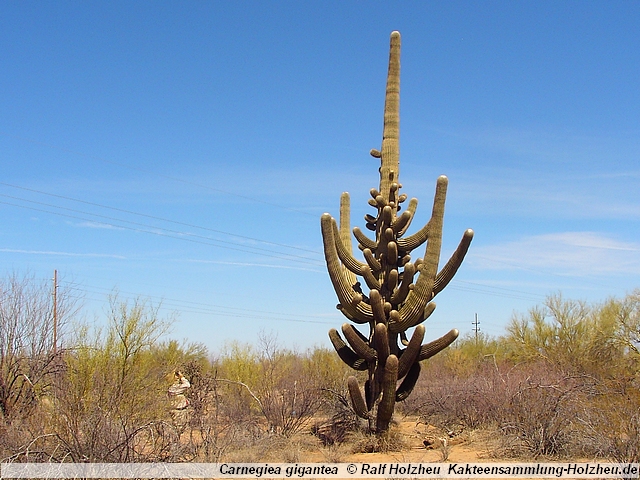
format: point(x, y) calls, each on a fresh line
point(172, 233)
point(157, 218)
point(453, 286)
point(500, 288)
point(213, 309)
point(169, 177)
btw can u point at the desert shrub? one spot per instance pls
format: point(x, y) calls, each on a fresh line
point(469, 354)
point(579, 394)
point(110, 405)
point(463, 385)
point(237, 375)
point(532, 404)
point(282, 386)
point(327, 369)
point(363, 441)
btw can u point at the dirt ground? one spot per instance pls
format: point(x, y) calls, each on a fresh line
point(409, 441)
point(412, 441)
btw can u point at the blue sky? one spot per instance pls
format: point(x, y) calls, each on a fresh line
point(184, 152)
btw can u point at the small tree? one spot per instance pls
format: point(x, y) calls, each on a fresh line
point(575, 337)
point(111, 404)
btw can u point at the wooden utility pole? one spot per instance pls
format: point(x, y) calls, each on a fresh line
point(55, 311)
point(476, 328)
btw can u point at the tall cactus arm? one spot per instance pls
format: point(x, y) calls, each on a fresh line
point(412, 351)
point(345, 255)
point(350, 301)
point(423, 290)
point(433, 228)
point(356, 398)
point(369, 278)
point(411, 209)
point(390, 153)
point(386, 217)
point(428, 350)
point(392, 279)
point(381, 343)
point(428, 310)
point(399, 323)
point(388, 401)
point(413, 311)
point(345, 219)
point(434, 245)
point(383, 349)
point(449, 270)
point(407, 244)
point(392, 252)
point(345, 353)
point(345, 231)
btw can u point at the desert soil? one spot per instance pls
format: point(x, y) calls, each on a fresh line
point(413, 441)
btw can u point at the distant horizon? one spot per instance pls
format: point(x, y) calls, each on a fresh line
point(185, 153)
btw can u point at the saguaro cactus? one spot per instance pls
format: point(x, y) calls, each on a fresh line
point(400, 291)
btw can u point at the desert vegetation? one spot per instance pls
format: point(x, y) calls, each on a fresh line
point(561, 382)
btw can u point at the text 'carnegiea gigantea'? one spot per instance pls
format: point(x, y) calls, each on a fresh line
point(400, 291)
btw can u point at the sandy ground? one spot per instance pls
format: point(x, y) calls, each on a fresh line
point(408, 445)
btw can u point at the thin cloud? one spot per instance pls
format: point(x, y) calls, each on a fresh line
point(567, 253)
point(106, 226)
point(549, 196)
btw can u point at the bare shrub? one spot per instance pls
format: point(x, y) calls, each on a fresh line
point(283, 386)
point(289, 392)
point(29, 360)
point(448, 400)
point(540, 414)
point(610, 428)
point(532, 405)
point(209, 433)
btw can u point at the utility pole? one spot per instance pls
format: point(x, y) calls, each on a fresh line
point(476, 328)
point(55, 311)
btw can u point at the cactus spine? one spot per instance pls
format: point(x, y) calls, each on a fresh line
point(400, 291)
